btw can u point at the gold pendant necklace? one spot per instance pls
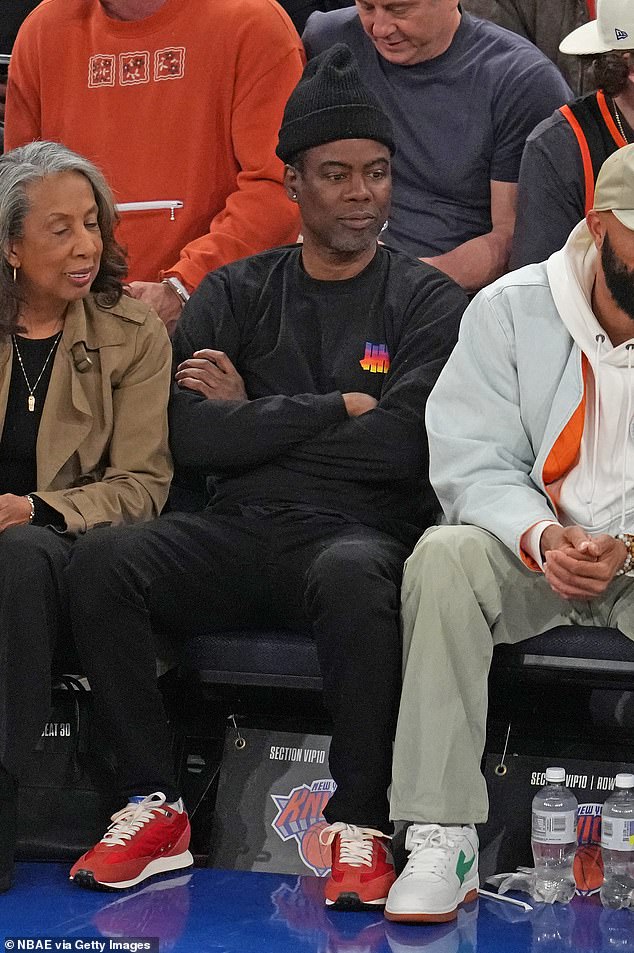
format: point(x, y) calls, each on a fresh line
point(31, 398)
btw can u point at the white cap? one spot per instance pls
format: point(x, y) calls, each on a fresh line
point(613, 29)
point(556, 774)
point(614, 189)
point(624, 781)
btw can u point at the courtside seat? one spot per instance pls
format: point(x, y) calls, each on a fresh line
point(579, 654)
point(288, 659)
point(273, 658)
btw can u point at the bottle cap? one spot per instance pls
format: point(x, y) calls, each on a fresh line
point(624, 781)
point(556, 774)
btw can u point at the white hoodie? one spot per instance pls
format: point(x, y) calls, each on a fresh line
point(598, 492)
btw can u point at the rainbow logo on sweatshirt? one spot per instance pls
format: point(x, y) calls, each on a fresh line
point(376, 358)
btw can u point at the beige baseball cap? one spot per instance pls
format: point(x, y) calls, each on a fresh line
point(613, 29)
point(614, 191)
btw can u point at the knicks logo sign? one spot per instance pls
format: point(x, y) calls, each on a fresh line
point(589, 824)
point(300, 817)
point(376, 358)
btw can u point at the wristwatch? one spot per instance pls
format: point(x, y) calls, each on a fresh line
point(178, 288)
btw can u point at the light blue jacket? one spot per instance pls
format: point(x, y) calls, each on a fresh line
point(506, 415)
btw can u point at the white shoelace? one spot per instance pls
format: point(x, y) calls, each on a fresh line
point(129, 821)
point(430, 847)
point(355, 843)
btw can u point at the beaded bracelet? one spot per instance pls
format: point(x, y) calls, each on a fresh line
point(628, 565)
point(32, 505)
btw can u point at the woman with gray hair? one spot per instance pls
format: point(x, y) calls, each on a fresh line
point(84, 384)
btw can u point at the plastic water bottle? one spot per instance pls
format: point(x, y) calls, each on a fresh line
point(554, 839)
point(617, 845)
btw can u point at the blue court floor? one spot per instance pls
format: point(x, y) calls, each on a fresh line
point(215, 911)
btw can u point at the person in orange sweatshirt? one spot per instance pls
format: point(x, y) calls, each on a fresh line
point(179, 102)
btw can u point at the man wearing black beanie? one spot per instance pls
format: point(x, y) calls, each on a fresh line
point(463, 95)
point(300, 393)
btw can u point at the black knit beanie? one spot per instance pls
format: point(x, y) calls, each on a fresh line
point(330, 102)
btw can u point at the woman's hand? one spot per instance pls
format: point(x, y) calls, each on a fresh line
point(14, 510)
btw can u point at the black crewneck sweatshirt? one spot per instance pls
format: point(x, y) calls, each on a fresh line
point(299, 344)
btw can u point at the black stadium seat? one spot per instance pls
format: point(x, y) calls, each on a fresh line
point(281, 658)
point(273, 658)
point(579, 654)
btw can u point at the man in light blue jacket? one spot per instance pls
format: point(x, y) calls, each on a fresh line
point(530, 428)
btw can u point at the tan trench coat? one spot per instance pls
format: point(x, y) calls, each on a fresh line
point(102, 450)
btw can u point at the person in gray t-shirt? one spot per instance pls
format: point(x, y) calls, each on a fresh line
point(463, 94)
point(544, 23)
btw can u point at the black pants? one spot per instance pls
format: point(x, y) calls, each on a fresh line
point(33, 618)
point(205, 570)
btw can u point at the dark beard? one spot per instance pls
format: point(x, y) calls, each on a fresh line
point(618, 278)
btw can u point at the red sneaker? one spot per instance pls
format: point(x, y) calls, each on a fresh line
point(145, 838)
point(362, 869)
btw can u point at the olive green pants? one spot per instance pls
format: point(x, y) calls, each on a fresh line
point(464, 592)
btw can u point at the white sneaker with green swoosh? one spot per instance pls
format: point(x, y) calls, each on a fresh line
point(440, 875)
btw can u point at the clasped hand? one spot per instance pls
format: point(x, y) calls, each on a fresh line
point(580, 566)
